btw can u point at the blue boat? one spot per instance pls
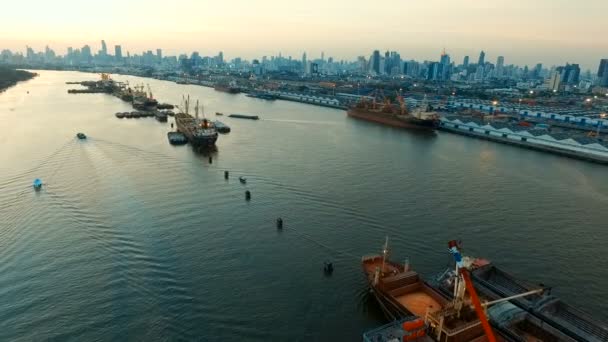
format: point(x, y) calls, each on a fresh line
point(37, 184)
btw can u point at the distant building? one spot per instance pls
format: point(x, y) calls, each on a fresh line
point(500, 64)
point(376, 62)
point(304, 62)
point(570, 74)
point(554, 81)
point(104, 48)
point(159, 54)
point(602, 73)
point(118, 52)
point(465, 62)
point(482, 58)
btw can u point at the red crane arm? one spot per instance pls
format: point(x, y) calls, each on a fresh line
point(475, 299)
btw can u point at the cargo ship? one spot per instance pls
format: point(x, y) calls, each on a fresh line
point(387, 113)
point(507, 309)
point(231, 88)
point(402, 294)
point(200, 132)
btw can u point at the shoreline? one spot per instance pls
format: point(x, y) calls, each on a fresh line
point(9, 77)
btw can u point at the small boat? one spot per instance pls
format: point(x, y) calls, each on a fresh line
point(221, 127)
point(37, 184)
point(177, 138)
point(161, 116)
point(81, 136)
point(218, 114)
point(120, 115)
point(243, 180)
point(243, 116)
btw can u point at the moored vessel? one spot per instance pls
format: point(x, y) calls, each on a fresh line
point(402, 294)
point(231, 87)
point(387, 113)
point(200, 132)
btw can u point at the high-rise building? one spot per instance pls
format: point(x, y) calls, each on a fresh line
point(444, 66)
point(603, 67)
point(159, 54)
point(537, 70)
point(220, 57)
point(500, 64)
point(86, 53)
point(376, 62)
point(118, 52)
point(602, 73)
point(104, 48)
point(304, 61)
point(554, 81)
point(465, 62)
point(570, 74)
point(482, 58)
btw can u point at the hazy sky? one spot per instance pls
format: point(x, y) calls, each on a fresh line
point(524, 31)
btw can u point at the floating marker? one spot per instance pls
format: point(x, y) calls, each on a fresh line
point(248, 195)
point(226, 174)
point(210, 160)
point(279, 223)
point(328, 267)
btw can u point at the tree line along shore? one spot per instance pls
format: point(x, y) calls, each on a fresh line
point(9, 77)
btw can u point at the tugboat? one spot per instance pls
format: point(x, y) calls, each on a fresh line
point(386, 113)
point(81, 136)
point(221, 127)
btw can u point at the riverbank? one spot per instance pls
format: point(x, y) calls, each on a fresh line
point(9, 77)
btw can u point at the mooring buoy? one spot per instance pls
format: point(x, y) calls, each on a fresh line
point(248, 195)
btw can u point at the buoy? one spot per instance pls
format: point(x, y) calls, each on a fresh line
point(172, 125)
point(279, 223)
point(37, 184)
point(248, 195)
point(226, 175)
point(210, 160)
point(328, 267)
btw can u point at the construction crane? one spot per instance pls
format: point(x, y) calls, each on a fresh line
point(402, 104)
point(463, 282)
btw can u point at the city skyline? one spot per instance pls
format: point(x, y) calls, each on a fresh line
point(551, 32)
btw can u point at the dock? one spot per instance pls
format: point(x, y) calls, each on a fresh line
point(595, 151)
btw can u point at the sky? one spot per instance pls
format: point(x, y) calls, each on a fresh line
point(524, 31)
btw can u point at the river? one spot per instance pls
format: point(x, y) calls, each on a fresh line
point(134, 239)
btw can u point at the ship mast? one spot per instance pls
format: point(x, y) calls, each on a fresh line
point(196, 110)
point(384, 253)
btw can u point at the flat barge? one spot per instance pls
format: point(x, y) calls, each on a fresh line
point(243, 116)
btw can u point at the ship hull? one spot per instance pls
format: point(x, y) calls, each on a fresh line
point(393, 120)
point(187, 125)
point(230, 90)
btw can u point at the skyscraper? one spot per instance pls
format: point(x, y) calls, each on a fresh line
point(500, 63)
point(159, 54)
point(465, 62)
point(104, 48)
point(376, 62)
point(444, 66)
point(570, 74)
point(554, 81)
point(118, 52)
point(602, 73)
point(482, 58)
point(304, 61)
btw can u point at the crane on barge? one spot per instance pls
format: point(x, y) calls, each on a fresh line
point(462, 284)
